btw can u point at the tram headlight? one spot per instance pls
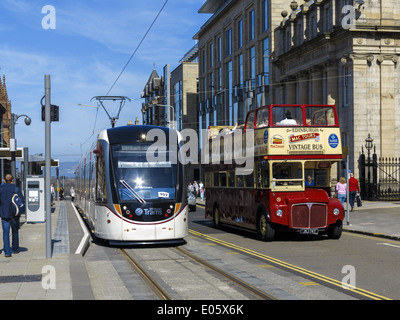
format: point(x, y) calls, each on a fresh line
point(336, 211)
point(279, 213)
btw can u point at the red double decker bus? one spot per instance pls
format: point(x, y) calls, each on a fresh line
point(292, 149)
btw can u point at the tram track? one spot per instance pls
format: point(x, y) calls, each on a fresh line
point(245, 285)
point(160, 292)
point(250, 291)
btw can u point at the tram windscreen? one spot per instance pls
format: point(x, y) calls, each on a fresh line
point(138, 179)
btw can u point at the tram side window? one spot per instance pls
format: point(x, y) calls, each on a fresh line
point(101, 187)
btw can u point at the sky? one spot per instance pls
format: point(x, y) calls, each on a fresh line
point(91, 43)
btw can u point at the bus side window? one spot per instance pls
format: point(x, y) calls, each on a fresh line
point(216, 179)
point(250, 121)
point(231, 179)
point(222, 179)
point(249, 180)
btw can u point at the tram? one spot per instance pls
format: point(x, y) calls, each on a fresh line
point(129, 186)
point(288, 185)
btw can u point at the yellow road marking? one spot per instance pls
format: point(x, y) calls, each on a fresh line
point(306, 272)
point(309, 283)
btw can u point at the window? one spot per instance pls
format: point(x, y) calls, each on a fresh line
point(262, 174)
point(228, 42)
point(240, 33)
point(266, 60)
point(287, 173)
point(101, 189)
point(346, 86)
point(250, 120)
point(245, 181)
point(231, 179)
point(264, 15)
point(219, 49)
point(262, 118)
point(203, 60)
point(251, 25)
point(229, 84)
point(252, 63)
point(316, 174)
point(280, 114)
point(211, 54)
point(320, 116)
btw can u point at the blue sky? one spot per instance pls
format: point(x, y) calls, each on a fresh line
point(92, 42)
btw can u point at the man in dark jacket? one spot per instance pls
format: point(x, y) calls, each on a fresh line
point(7, 190)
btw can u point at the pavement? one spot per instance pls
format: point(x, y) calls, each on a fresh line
point(80, 271)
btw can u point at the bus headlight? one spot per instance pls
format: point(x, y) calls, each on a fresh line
point(336, 211)
point(279, 212)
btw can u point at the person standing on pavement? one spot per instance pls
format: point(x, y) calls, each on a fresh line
point(72, 193)
point(8, 221)
point(353, 189)
point(341, 189)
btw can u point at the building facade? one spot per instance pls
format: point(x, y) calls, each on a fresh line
point(5, 114)
point(153, 111)
point(346, 53)
point(235, 47)
point(172, 100)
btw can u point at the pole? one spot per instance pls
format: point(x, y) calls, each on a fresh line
point(347, 191)
point(47, 166)
point(13, 148)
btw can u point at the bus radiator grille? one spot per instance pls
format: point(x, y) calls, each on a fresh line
point(309, 215)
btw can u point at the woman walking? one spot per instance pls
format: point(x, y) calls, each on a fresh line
point(341, 189)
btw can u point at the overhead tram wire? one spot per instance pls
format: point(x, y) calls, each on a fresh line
point(126, 65)
point(137, 48)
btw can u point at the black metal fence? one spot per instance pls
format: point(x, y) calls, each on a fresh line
point(379, 178)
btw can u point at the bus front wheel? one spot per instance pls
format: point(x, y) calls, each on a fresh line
point(335, 230)
point(265, 230)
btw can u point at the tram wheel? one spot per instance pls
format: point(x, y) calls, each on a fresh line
point(265, 230)
point(216, 217)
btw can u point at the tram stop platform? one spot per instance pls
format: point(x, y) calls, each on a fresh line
point(78, 270)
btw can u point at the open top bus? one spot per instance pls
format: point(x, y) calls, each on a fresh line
point(292, 149)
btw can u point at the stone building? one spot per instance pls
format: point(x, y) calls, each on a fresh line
point(235, 46)
point(5, 113)
point(346, 53)
point(153, 93)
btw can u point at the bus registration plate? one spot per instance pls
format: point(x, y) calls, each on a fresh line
point(309, 231)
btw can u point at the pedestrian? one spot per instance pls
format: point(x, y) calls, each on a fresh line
point(202, 193)
point(341, 189)
point(353, 189)
point(196, 188)
point(190, 187)
point(52, 192)
point(72, 193)
point(8, 221)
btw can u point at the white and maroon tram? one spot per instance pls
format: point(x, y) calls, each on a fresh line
point(129, 186)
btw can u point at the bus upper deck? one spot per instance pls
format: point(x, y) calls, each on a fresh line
point(291, 131)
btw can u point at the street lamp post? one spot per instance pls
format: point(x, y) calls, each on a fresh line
point(13, 144)
point(368, 146)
